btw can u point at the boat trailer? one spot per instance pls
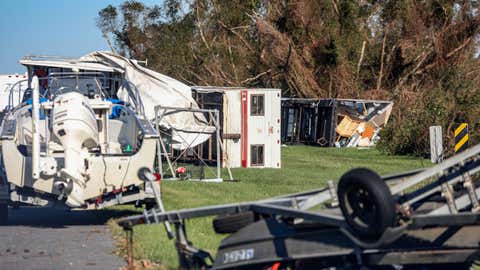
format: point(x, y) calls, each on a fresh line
point(428, 218)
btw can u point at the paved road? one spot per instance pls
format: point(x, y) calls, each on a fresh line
point(57, 239)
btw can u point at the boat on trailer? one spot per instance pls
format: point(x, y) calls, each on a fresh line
point(73, 141)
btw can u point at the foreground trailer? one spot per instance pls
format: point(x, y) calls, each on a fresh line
point(425, 218)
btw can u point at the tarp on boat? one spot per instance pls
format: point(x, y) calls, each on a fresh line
point(158, 89)
point(188, 129)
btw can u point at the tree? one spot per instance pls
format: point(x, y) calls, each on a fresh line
point(420, 54)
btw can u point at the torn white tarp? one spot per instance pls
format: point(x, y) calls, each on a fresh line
point(158, 89)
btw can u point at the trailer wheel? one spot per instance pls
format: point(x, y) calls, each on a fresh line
point(366, 203)
point(233, 223)
point(3, 214)
point(150, 204)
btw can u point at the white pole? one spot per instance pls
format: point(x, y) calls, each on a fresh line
point(159, 150)
point(35, 128)
point(222, 148)
point(217, 127)
point(436, 144)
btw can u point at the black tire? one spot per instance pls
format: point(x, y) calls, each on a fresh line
point(3, 214)
point(233, 223)
point(149, 205)
point(366, 203)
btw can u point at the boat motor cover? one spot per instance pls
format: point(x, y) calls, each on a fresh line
point(157, 89)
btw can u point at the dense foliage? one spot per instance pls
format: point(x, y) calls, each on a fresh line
point(420, 54)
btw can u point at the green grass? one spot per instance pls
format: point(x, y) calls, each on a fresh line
point(303, 168)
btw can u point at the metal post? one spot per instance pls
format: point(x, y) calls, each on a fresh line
point(436, 144)
point(159, 151)
point(164, 149)
point(228, 167)
point(217, 127)
point(447, 193)
point(162, 145)
point(47, 133)
point(181, 243)
point(157, 193)
point(130, 259)
point(468, 184)
point(222, 147)
point(35, 128)
point(333, 193)
point(105, 130)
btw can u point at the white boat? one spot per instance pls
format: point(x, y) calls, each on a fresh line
point(72, 142)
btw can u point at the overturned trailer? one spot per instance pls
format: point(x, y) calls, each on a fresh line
point(333, 122)
point(422, 219)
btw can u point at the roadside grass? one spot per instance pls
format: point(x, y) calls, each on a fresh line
point(303, 168)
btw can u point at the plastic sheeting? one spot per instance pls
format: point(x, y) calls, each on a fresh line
point(158, 89)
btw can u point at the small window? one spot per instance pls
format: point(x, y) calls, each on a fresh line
point(256, 155)
point(257, 105)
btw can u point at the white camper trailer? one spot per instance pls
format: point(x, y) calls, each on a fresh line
point(250, 120)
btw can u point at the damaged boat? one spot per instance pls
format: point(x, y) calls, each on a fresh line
point(76, 139)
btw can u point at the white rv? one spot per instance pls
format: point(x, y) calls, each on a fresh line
point(250, 121)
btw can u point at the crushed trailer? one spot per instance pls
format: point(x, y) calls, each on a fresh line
point(425, 219)
point(333, 122)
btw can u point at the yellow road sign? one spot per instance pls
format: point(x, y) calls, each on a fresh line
point(461, 137)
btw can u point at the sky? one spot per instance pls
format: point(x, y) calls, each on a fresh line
point(50, 27)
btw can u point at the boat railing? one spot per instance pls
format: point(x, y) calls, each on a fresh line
point(49, 57)
point(106, 87)
point(133, 97)
point(16, 92)
point(73, 80)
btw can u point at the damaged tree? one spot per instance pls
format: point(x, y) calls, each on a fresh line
point(422, 55)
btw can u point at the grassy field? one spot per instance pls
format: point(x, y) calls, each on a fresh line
point(303, 168)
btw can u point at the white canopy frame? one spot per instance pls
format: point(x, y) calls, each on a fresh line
point(161, 112)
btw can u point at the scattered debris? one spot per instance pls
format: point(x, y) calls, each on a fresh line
point(333, 122)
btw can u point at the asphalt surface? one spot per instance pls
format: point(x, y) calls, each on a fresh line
point(37, 238)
